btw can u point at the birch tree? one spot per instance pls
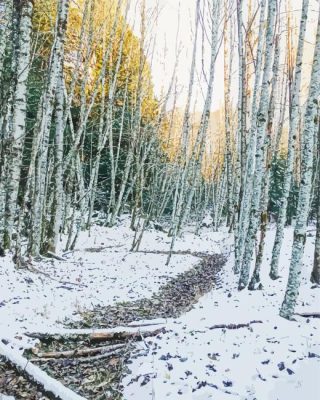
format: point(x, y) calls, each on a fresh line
point(315, 275)
point(38, 165)
point(293, 128)
point(262, 117)
point(299, 238)
point(18, 127)
point(245, 193)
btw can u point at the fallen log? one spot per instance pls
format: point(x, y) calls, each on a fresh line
point(83, 359)
point(146, 322)
point(309, 314)
point(234, 326)
point(125, 335)
point(77, 352)
point(33, 269)
point(119, 333)
point(56, 256)
point(50, 386)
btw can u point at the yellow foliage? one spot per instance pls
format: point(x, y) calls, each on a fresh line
point(89, 37)
point(171, 138)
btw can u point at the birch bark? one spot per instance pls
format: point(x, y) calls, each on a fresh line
point(19, 114)
point(245, 193)
point(262, 118)
point(38, 166)
point(299, 238)
point(293, 127)
point(315, 275)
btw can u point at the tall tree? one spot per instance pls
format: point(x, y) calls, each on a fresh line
point(293, 128)
point(315, 275)
point(39, 157)
point(17, 134)
point(261, 123)
point(299, 238)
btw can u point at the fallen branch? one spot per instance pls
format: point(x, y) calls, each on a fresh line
point(124, 335)
point(38, 271)
point(119, 333)
point(39, 377)
point(234, 326)
point(309, 314)
point(175, 253)
point(53, 255)
point(84, 359)
point(76, 352)
point(146, 322)
point(100, 249)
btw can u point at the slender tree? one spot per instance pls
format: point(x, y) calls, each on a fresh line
point(293, 128)
point(262, 117)
point(315, 275)
point(299, 238)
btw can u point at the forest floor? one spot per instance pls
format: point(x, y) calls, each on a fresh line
point(197, 356)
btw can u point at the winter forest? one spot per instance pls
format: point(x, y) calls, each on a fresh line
point(159, 199)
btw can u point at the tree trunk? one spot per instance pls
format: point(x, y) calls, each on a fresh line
point(299, 238)
point(315, 275)
point(293, 127)
point(262, 118)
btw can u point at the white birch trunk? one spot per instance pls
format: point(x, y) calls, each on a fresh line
point(315, 275)
point(293, 128)
point(310, 124)
point(262, 118)
point(58, 176)
point(245, 192)
point(38, 167)
point(19, 115)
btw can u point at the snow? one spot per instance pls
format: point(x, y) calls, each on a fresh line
point(274, 360)
point(100, 271)
point(49, 384)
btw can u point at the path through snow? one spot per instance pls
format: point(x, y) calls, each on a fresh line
point(276, 360)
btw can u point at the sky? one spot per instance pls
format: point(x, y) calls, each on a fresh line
point(173, 33)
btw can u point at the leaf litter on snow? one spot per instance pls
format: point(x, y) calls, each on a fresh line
point(53, 290)
point(266, 361)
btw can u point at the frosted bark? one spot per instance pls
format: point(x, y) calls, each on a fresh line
point(5, 31)
point(299, 238)
point(227, 106)
point(315, 275)
point(245, 193)
point(293, 128)
point(58, 176)
point(199, 146)
point(39, 157)
point(19, 115)
point(262, 118)
point(255, 279)
point(182, 156)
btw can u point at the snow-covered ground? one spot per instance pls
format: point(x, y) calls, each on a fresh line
point(274, 360)
point(100, 271)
